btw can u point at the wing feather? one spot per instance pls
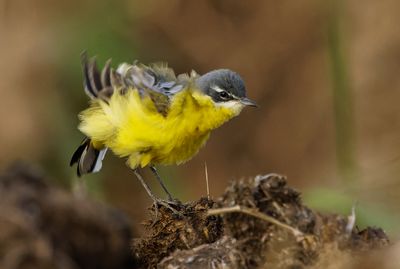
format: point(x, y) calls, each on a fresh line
point(105, 74)
point(99, 84)
point(94, 76)
point(86, 80)
point(157, 81)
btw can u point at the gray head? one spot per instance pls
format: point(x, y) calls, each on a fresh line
point(224, 85)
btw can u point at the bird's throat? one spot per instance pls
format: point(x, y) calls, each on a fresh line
point(200, 112)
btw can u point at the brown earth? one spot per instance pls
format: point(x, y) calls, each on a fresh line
point(258, 223)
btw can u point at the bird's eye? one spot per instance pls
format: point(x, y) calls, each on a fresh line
point(223, 95)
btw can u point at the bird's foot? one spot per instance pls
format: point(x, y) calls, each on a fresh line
point(168, 204)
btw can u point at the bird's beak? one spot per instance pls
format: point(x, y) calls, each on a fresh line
point(248, 102)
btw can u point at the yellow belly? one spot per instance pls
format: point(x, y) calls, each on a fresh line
point(176, 151)
point(132, 127)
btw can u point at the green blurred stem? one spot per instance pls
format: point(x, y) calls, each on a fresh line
point(342, 97)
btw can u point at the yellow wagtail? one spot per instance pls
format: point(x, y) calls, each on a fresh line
point(150, 116)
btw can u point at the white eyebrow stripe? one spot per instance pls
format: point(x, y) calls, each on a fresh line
point(216, 88)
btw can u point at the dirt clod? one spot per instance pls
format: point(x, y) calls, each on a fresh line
point(220, 254)
point(242, 240)
point(171, 232)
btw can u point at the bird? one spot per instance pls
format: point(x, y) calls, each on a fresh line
point(150, 116)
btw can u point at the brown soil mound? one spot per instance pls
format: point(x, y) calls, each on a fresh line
point(258, 223)
point(237, 231)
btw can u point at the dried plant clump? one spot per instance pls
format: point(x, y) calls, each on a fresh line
point(170, 232)
point(263, 223)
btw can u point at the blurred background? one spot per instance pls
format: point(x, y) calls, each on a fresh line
point(326, 75)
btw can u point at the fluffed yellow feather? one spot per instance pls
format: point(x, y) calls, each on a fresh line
point(132, 127)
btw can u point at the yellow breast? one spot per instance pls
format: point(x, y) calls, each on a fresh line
point(132, 127)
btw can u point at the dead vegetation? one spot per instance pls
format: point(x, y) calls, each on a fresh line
point(257, 223)
point(240, 234)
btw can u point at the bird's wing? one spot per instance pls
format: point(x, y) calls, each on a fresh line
point(99, 85)
point(157, 81)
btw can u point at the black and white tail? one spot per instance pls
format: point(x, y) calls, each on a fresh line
point(97, 85)
point(88, 158)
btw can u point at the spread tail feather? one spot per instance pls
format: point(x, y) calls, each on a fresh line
point(88, 158)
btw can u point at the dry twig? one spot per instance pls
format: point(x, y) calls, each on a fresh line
point(254, 213)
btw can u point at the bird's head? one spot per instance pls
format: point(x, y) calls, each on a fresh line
point(226, 89)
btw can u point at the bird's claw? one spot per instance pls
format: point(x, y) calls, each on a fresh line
point(167, 204)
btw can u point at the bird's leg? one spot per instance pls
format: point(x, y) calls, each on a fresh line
point(154, 170)
point(146, 187)
point(156, 200)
